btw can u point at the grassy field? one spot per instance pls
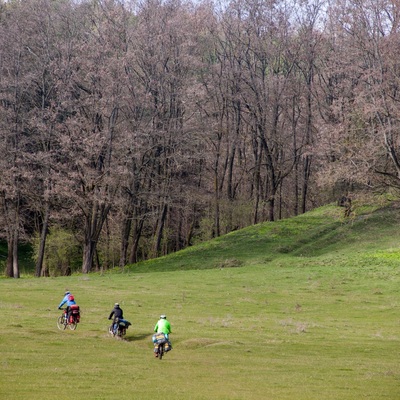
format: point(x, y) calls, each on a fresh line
point(306, 308)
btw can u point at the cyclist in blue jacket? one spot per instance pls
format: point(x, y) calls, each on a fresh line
point(69, 300)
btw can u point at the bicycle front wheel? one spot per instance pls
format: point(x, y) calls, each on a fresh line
point(61, 323)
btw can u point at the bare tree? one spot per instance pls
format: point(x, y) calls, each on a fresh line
point(89, 130)
point(17, 93)
point(162, 68)
point(362, 84)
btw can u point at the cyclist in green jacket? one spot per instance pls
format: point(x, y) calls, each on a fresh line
point(163, 326)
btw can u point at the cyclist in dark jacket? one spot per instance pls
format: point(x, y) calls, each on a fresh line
point(115, 314)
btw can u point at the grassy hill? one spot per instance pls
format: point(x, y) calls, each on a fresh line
point(322, 233)
point(305, 308)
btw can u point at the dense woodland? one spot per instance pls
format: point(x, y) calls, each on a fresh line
point(132, 129)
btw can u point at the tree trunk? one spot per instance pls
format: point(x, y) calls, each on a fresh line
point(15, 253)
point(257, 182)
point(133, 258)
point(42, 245)
point(125, 232)
point(12, 217)
point(88, 254)
point(159, 231)
point(94, 224)
point(271, 208)
point(9, 268)
point(217, 229)
point(306, 179)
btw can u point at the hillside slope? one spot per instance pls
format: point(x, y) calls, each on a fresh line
point(321, 233)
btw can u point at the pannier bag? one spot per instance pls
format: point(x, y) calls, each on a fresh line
point(167, 346)
point(159, 338)
point(123, 322)
point(74, 309)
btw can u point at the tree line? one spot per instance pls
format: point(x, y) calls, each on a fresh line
point(132, 129)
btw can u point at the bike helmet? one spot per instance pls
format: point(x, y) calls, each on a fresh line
point(163, 316)
point(116, 305)
point(67, 292)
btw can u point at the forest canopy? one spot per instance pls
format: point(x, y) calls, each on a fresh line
point(132, 129)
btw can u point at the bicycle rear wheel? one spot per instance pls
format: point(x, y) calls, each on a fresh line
point(160, 351)
point(72, 325)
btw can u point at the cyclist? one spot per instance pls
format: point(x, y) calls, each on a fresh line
point(115, 314)
point(70, 300)
point(163, 326)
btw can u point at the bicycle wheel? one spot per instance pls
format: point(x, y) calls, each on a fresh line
point(61, 323)
point(160, 351)
point(72, 325)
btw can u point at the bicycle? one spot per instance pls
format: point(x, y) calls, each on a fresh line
point(74, 318)
point(161, 345)
point(120, 329)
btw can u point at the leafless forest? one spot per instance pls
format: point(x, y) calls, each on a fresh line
point(132, 129)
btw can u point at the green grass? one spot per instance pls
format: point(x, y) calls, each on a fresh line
point(305, 308)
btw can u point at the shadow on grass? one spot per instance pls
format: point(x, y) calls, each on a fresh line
point(135, 338)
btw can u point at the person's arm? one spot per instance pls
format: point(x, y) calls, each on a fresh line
point(111, 315)
point(156, 327)
point(63, 301)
